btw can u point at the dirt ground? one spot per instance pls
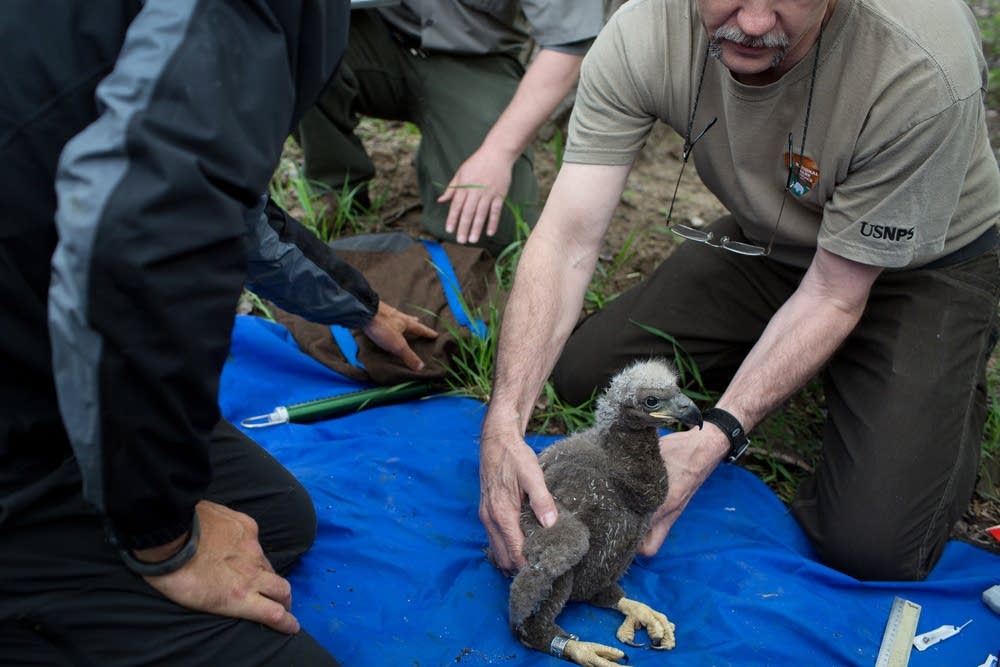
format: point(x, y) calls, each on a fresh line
point(642, 212)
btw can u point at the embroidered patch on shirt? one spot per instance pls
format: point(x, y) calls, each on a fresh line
point(805, 174)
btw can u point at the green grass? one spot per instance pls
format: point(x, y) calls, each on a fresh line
point(327, 212)
point(988, 15)
point(600, 292)
point(989, 468)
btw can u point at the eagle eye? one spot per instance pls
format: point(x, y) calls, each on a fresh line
point(651, 401)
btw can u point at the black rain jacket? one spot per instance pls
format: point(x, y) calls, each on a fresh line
point(136, 142)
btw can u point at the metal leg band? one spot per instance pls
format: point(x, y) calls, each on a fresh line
point(558, 644)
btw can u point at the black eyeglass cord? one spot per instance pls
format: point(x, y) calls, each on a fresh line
point(809, 104)
point(688, 144)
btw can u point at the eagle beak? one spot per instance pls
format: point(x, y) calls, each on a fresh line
point(680, 408)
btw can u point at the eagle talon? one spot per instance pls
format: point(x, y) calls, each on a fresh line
point(639, 615)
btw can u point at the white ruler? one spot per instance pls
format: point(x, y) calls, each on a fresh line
point(897, 640)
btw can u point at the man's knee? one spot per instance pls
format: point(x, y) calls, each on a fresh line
point(877, 550)
point(290, 536)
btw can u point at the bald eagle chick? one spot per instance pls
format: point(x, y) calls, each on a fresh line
point(607, 482)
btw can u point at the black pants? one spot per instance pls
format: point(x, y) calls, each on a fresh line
point(67, 599)
point(905, 393)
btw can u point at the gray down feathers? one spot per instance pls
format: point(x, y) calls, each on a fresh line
point(607, 482)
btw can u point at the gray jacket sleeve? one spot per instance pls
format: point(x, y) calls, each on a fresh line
point(290, 266)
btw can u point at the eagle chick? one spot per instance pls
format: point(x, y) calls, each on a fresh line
point(607, 482)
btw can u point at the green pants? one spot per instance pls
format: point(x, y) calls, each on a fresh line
point(905, 393)
point(454, 100)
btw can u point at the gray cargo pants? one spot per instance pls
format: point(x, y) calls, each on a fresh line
point(454, 100)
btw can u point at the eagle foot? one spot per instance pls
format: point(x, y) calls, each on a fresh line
point(638, 615)
point(590, 654)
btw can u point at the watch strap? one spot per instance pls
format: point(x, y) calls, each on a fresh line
point(731, 426)
point(172, 564)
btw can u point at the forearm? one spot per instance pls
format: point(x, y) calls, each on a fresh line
point(539, 316)
point(801, 337)
point(547, 81)
point(797, 342)
point(552, 276)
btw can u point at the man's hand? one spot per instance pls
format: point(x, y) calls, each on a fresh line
point(477, 192)
point(389, 328)
point(479, 187)
point(229, 575)
point(508, 469)
point(690, 457)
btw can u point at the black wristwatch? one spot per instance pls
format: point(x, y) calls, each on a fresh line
point(731, 426)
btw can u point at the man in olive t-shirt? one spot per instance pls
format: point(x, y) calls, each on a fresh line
point(848, 140)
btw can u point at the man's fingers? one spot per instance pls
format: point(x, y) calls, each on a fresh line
point(418, 328)
point(410, 358)
point(447, 195)
point(388, 331)
point(277, 588)
point(465, 221)
point(396, 345)
point(542, 503)
point(653, 539)
point(502, 521)
point(457, 198)
point(506, 544)
point(272, 614)
point(479, 218)
point(513, 539)
point(496, 210)
point(270, 603)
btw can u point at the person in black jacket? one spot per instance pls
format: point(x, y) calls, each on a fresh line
point(136, 139)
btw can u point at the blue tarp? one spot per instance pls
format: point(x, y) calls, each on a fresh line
point(398, 575)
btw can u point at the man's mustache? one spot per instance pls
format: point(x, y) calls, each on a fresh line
point(771, 40)
point(730, 33)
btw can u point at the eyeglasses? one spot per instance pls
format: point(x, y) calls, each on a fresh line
point(709, 238)
point(724, 242)
point(794, 172)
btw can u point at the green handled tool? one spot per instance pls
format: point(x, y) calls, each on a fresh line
point(342, 404)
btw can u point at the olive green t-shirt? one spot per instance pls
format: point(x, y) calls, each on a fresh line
point(898, 168)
